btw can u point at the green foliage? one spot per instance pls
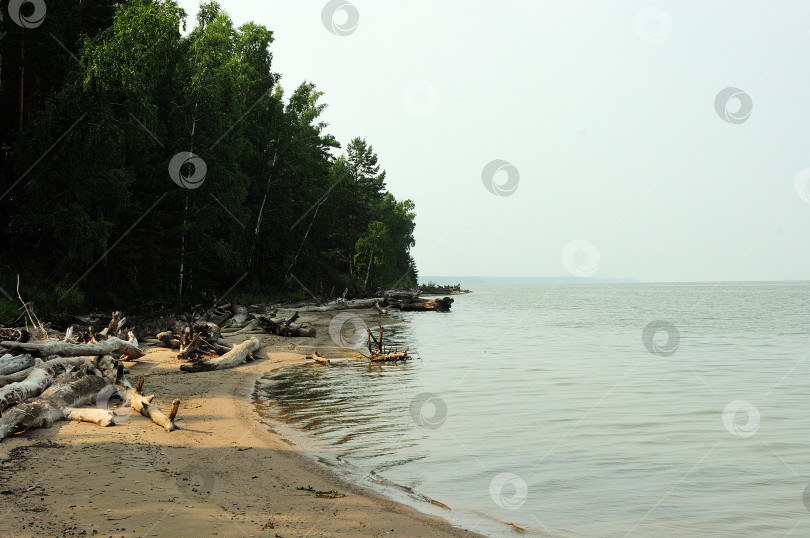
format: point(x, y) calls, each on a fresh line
point(275, 204)
point(8, 311)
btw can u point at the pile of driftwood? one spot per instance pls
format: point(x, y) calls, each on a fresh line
point(379, 353)
point(199, 337)
point(196, 340)
point(46, 380)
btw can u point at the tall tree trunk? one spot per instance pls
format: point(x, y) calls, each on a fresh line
point(260, 216)
point(295, 259)
point(368, 271)
point(352, 218)
point(182, 253)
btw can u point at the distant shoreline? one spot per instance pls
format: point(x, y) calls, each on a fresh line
point(497, 281)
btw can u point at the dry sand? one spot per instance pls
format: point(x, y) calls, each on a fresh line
point(220, 474)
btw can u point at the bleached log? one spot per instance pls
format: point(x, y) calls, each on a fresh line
point(33, 385)
point(54, 347)
point(317, 358)
point(231, 359)
point(143, 405)
point(15, 377)
point(102, 417)
point(10, 364)
point(67, 362)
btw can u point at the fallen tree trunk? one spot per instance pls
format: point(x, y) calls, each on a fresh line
point(15, 377)
point(10, 364)
point(37, 381)
point(143, 405)
point(231, 359)
point(55, 404)
point(56, 364)
point(53, 347)
point(101, 417)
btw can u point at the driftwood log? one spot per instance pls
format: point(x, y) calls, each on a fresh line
point(9, 364)
point(65, 349)
point(37, 381)
point(317, 358)
point(143, 405)
point(231, 359)
point(14, 377)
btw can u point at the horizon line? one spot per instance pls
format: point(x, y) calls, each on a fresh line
point(620, 280)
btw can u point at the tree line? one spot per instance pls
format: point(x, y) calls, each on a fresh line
point(140, 164)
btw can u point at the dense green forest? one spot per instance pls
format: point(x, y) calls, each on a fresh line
point(140, 164)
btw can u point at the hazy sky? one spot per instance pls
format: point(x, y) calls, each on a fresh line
point(607, 113)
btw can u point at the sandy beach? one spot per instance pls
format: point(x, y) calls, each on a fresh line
point(222, 473)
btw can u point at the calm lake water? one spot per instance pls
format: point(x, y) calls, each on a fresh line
point(548, 406)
